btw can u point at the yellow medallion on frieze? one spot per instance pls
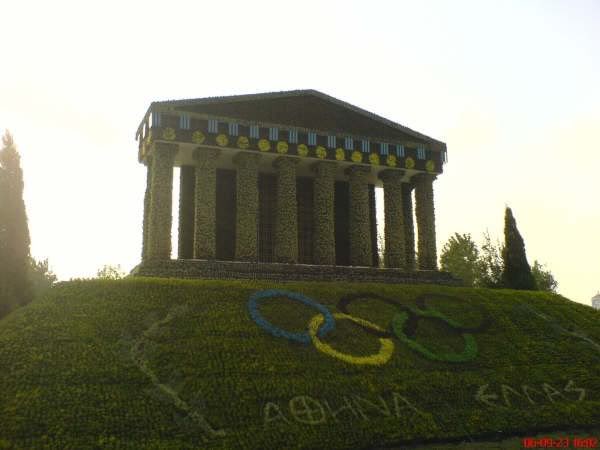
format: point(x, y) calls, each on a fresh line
point(222, 140)
point(302, 150)
point(374, 159)
point(282, 147)
point(340, 154)
point(264, 145)
point(409, 163)
point(391, 160)
point(243, 142)
point(321, 152)
point(168, 134)
point(357, 156)
point(198, 137)
point(430, 166)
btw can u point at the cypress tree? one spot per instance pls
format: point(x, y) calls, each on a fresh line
point(517, 272)
point(15, 240)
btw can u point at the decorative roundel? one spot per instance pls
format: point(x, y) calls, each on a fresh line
point(282, 147)
point(385, 352)
point(243, 142)
point(264, 145)
point(430, 166)
point(168, 134)
point(340, 154)
point(222, 140)
point(356, 156)
point(198, 137)
point(374, 159)
point(302, 338)
point(302, 150)
point(321, 152)
point(391, 160)
point(409, 163)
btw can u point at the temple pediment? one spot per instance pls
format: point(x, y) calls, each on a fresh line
point(307, 109)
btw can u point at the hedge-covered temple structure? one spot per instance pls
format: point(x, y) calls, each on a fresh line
point(282, 185)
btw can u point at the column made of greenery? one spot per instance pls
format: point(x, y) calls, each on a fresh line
point(286, 220)
point(394, 233)
point(145, 223)
point(161, 191)
point(425, 213)
point(409, 225)
point(186, 212)
point(246, 242)
point(324, 213)
point(360, 227)
point(205, 211)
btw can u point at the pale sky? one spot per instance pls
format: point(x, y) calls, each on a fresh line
point(511, 87)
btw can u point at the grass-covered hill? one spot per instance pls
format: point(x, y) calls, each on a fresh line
point(148, 363)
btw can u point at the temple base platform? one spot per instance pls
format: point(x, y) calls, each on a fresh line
point(210, 269)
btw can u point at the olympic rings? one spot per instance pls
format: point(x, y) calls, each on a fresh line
point(385, 353)
point(403, 326)
point(302, 338)
point(469, 352)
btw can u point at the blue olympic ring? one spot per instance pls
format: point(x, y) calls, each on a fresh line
point(302, 338)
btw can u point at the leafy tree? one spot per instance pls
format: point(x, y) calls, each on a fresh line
point(517, 272)
point(543, 278)
point(41, 277)
point(459, 256)
point(14, 231)
point(108, 272)
point(489, 265)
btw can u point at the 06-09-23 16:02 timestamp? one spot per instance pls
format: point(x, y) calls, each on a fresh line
point(562, 442)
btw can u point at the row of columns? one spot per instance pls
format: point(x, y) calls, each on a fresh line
point(399, 231)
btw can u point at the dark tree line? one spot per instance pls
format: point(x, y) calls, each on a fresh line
point(495, 265)
point(15, 288)
point(21, 277)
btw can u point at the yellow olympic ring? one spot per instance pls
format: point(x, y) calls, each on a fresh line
point(384, 355)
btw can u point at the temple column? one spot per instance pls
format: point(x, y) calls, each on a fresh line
point(246, 242)
point(205, 210)
point(186, 213)
point(161, 192)
point(286, 220)
point(425, 213)
point(145, 223)
point(324, 213)
point(395, 235)
point(360, 227)
point(409, 225)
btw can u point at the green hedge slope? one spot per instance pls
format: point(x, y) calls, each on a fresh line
point(154, 363)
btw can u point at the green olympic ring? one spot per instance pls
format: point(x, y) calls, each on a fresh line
point(468, 354)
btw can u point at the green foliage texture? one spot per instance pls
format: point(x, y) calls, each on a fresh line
point(163, 363)
point(360, 228)
point(15, 287)
point(459, 256)
point(323, 213)
point(516, 273)
point(286, 226)
point(425, 214)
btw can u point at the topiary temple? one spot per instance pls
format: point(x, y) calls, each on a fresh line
point(282, 185)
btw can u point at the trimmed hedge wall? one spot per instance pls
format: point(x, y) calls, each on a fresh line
point(286, 216)
point(324, 220)
point(360, 227)
point(425, 213)
point(395, 234)
point(246, 243)
point(173, 364)
point(205, 217)
point(161, 192)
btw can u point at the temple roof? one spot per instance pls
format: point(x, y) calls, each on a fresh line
point(302, 108)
